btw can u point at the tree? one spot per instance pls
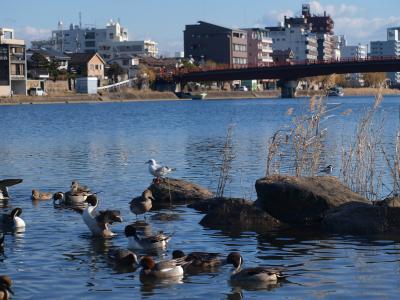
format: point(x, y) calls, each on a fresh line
point(374, 79)
point(114, 71)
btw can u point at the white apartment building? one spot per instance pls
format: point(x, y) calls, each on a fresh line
point(259, 47)
point(13, 73)
point(114, 37)
point(303, 43)
point(390, 47)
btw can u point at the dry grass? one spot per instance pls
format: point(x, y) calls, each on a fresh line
point(227, 158)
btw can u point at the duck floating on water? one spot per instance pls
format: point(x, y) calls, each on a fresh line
point(99, 221)
point(5, 287)
point(199, 259)
point(12, 221)
point(255, 275)
point(37, 195)
point(4, 185)
point(161, 270)
point(141, 205)
point(154, 242)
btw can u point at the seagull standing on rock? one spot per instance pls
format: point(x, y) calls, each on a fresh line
point(158, 171)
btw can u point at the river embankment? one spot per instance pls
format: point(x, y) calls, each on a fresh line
point(135, 95)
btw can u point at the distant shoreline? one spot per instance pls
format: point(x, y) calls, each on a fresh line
point(136, 96)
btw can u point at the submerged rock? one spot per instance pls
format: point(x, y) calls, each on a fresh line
point(237, 215)
point(362, 218)
point(176, 191)
point(302, 200)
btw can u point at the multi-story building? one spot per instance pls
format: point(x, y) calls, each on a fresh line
point(13, 73)
point(390, 47)
point(302, 42)
point(222, 45)
point(259, 47)
point(107, 41)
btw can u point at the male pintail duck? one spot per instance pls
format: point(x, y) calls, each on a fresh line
point(13, 221)
point(37, 195)
point(143, 204)
point(123, 258)
point(158, 241)
point(256, 275)
point(158, 171)
point(5, 287)
point(161, 270)
point(199, 259)
point(4, 185)
point(98, 221)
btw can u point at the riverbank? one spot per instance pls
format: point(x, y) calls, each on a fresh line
point(130, 95)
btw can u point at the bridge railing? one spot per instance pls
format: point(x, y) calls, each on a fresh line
point(223, 67)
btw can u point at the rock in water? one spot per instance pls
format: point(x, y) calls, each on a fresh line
point(175, 191)
point(362, 218)
point(302, 200)
point(237, 215)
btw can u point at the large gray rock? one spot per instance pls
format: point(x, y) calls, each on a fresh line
point(176, 191)
point(302, 200)
point(237, 215)
point(362, 218)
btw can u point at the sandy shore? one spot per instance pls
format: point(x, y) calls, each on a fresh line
point(133, 95)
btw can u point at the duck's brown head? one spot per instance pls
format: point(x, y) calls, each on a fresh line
point(147, 263)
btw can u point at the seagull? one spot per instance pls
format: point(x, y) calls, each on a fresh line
point(327, 170)
point(4, 184)
point(98, 221)
point(158, 171)
point(143, 204)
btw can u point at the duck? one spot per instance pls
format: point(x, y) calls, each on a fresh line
point(199, 259)
point(4, 185)
point(13, 220)
point(1, 241)
point(123, 259)
point(37, 195)
point(141, 205)
point(98, 221)
point(158, 241)
point(157, 170)
point(5, 287)
point(161, 270)
point(255, 275)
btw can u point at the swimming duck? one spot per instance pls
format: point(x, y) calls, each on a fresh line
point(123, 259)
point(37, 195)
point(199, 259)
point(98, 221)
point(5, 287)
point(4, 185)
point(158, 171)
point(161, 270)
point(143, 204)
point(158, 241)
point(12, 220)
point(254, 275)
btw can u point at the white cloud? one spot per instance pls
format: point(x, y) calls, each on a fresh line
point(29, 33)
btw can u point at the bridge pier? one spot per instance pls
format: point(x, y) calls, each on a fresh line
point(288, 88)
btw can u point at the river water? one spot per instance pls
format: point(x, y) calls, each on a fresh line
point(105, 146)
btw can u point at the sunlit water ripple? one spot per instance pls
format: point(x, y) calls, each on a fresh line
point(105, 146)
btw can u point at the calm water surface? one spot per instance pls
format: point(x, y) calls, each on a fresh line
point(105, 146)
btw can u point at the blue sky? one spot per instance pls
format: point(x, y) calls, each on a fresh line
point(164, 20)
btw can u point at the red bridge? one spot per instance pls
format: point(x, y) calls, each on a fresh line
point(289, 73)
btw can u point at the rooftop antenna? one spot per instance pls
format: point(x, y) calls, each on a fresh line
point(80, 19)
